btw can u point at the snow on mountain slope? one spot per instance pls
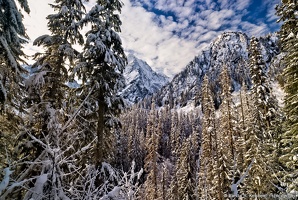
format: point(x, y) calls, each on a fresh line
point(140, 80)
point(230, 50)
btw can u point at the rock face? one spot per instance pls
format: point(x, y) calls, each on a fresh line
point(228, 50)
point(141, 80)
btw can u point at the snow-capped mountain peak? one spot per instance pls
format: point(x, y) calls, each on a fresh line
point(230, 50)
point(141, 80)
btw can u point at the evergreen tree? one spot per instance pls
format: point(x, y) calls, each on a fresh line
point(175, 136)
point(151, 166)
point(287, 11)
point(48, 103)
point(12, 38)
point(209, 179)
point(195, 138)
point(229, 135)
point(184, 176)
point(100, 70)
point(165, 144)
point(258, 138)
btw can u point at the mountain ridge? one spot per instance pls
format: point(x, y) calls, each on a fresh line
point(140, 80)
point(228, 49)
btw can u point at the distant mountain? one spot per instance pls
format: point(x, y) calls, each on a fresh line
point(141, 80)
point(229, 49)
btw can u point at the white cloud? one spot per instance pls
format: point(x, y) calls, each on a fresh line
point(241, 5)
point(166, 42)
point(253, 29)
point(216, 19)
point(143, 36)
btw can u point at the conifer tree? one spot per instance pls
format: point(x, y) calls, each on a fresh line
point(175, 136)
point(151, 184)
point(195, 138)
point(12, 38)
point(258, 140)
point(165, 143)
point(209, 178)
point(49, 122)
point(135, 151)
point(100, 70)
point(175, 146)
point(184, 176)
point(229, 134)
point(287, 12)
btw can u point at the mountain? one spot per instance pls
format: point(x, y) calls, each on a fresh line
point(230, 50)
point(141, 80)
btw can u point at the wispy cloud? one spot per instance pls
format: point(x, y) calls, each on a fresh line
point(175, 31)
point(167, 34)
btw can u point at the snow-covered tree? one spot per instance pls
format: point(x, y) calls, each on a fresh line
point(151, 165)
point(258, 140)
point(209, 177)
point(185, 178)
point(100, 71)
point(175, 136)
point(12, 38)
point(228, 138)
point(51, 113)
point(287, 12)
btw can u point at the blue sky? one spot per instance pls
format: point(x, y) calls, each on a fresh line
point(167, 34)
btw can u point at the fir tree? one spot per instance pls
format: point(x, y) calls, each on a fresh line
point(287, 12)
point(49, 106)
point(151, 166)
point(229, 135)
point(258, 139)
point(175, 136)
point(12, 38)
point(184, 176)
point(209, 179)
point(100, 70)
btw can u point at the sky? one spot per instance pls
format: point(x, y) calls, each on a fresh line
point(168, 34)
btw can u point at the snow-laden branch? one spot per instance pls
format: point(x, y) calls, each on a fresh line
point(77, 111)
point(9, 55)
point(5, 181)
point(234, 186)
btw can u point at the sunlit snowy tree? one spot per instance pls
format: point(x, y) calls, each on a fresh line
point(45, 134)
point(209, 178)
point(100, 70)
point(288, 14)
point(12, 38)
point(229, 136)
point(258, 140)
point(151, 165)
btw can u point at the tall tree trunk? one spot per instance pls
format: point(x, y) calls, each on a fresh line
point(100, 132)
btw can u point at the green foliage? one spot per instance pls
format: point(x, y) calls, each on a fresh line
point(287, 12)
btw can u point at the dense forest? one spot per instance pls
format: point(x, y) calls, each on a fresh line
point(64, 140)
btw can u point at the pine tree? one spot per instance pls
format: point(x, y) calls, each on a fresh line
point(287, 11)
point(195, 138)
point(48, 102)
point(258, 138)
point(229, 135)
point(151, 166)
point(165, 145)
point(100, 70)
point(175, 136)
point(184, 176)
point(209, 178)
point(12, 38)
